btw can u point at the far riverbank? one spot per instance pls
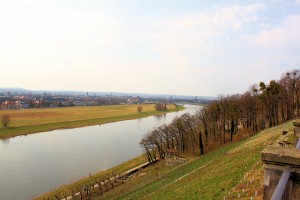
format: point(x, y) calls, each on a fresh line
point(30, 121)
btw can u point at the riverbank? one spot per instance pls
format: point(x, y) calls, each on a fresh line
point(30, 121)
point(92, 177)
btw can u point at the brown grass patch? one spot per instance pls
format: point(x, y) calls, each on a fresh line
point(35, 114)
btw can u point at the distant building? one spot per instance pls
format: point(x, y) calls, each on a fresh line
point(79, 103)
point(7, 94)
point(135, 100)
point(24, 105)
point(11, 105)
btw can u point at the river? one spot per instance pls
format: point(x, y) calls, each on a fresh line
point(36, 163)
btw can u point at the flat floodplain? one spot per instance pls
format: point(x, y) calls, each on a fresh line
point(26, 121)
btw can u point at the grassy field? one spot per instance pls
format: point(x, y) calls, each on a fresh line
point(232, 171)
point(28, 121)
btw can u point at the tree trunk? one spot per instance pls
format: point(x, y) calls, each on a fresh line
point(201, 144)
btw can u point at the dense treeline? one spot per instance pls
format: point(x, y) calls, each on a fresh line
point(228, 118)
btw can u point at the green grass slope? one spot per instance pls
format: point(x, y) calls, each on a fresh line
point(232, 171)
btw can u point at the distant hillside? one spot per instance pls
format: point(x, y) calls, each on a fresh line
point(13, 89)
point(91, 93)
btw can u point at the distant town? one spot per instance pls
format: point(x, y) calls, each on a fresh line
point(11, 99)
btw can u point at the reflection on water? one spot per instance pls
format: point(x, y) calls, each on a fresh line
point(5, 141)
point(37, 163)
point(161, 118)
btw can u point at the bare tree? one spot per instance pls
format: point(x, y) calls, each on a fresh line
point(87, 189)
point(201, 144)
point(73, 191)
point(5, 120)
point(122, 176)
point(114, 173)
point(160, 107)
point(99, 183)
point(57, 195)
point(80, 189)
point(139, 109)
point(65, 194)
point(105, 183)
point(149, 149)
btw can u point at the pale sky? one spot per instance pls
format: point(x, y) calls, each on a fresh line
point(184, 47)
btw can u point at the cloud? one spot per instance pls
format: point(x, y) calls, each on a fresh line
point(45, 33)
point(217, 21)
point(208, 32)
point(214, 46)
point(286, 35)
point(46, 21)
point(233, 17)
point(297, 2)
point(195, 49)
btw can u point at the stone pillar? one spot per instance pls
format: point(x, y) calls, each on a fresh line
point(296, 132)
point(275, 159)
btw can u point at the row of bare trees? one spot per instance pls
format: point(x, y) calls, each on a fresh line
point(182, 134)
point(228, 118)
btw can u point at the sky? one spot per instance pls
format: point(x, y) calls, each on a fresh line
point(179, 47)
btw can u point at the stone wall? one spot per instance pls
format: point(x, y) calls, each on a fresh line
point(278, 158)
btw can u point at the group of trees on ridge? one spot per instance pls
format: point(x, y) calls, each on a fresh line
point(228, 118)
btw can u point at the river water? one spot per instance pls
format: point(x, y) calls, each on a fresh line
point(34, 164)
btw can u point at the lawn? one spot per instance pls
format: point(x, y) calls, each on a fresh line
point(28, 121)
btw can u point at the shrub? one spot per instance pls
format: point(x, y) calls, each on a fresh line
point(160, 107)
point(5, 120)
point(139, 109)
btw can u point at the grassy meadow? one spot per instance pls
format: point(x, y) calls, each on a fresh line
point(26, 121)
